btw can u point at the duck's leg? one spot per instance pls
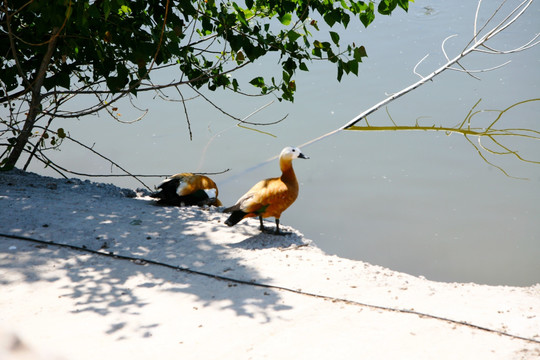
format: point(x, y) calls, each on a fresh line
point(277, 227)
point(261, 221)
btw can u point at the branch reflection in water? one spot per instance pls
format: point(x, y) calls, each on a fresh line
point(491, 133)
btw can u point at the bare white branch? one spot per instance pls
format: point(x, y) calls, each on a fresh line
point(476, 44)
point(257, 110)
point(476, 32)
point(468, 71)
point(490, 50)
point(506, 22)
point(444, 43)
point(417, 64)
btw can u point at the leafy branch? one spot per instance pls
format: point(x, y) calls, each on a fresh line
point(61, 50)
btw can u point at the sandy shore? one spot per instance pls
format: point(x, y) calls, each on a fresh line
point(190, 287)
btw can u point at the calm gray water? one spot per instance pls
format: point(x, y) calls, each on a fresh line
point(419, 202)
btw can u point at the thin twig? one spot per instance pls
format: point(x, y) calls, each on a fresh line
point(112, 162)
point(417, 64)
point(234, 117)
point(185, 112)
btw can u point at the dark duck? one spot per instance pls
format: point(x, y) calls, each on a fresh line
point(187, 189)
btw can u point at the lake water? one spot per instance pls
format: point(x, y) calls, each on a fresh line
point(424, 203)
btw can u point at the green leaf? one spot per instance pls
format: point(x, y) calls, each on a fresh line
point(252, 52)
point(258, 81)
point(359, 53)
point(289, 65)
point(331, 18)
point(61, 133)
point(116, 83)
point(340, 71)
point(335, 37)
point(107, 8)
point(133, 85)
point(285, 19)
point(353, 66)
point(235, 42)
point(63, 80)
point(124, 10)
point(293, 35)
point(404, 4)
point(345, 20)
point(240, 15)
point(368, 15)
point(60, 79)
point(387, 6)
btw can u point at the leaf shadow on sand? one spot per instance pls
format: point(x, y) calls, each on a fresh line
point(123, 226)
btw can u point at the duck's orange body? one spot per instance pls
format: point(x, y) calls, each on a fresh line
point(188, 189)
point(270, 197)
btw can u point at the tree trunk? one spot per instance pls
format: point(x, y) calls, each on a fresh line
point(35, 105)
point(24, 135)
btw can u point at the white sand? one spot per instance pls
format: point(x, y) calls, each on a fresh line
point(68, 304)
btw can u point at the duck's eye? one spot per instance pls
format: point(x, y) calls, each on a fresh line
point(293, 150)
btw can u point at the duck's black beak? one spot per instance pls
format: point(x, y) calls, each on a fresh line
point(302, 156)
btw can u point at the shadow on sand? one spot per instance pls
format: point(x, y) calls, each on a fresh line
point(80, 214)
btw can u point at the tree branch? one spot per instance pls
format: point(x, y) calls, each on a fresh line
point(474, 44)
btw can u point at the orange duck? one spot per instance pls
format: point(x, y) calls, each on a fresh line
point(270, 197)
point(186, 189)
